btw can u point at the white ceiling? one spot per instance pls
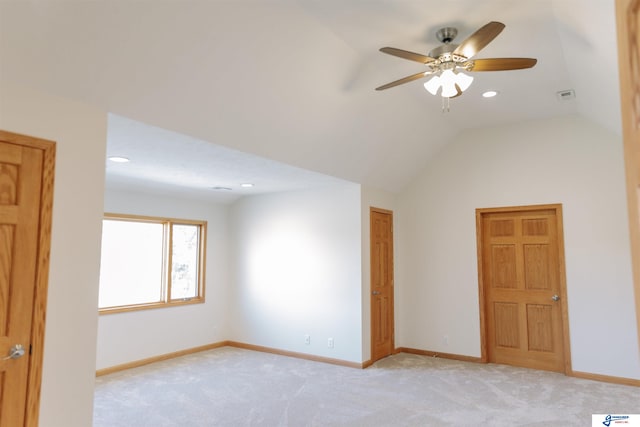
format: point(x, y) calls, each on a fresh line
point(293, 81)
point(165, 162)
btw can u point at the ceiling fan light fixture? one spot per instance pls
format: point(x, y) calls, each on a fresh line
point(449, 91)
point(463, 81)
point(432, 85)
point(448, 80)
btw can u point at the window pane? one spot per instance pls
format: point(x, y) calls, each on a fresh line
point(131, 269)
point(184, 268)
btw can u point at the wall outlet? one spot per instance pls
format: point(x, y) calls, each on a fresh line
point(307, 339)
point(445, 339)
point(330, 343)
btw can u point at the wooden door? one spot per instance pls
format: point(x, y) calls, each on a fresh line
point(382, 327)
point(522, 282)
point(26, 177)
point(628, 22)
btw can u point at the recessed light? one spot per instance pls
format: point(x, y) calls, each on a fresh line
point(490, 94)
point(222, 188)
point(119, 159)
point(246, 185)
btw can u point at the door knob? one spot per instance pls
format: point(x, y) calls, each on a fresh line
point(555, 298)
point(376, 292)
point(16, 352)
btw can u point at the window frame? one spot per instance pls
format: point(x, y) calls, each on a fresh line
point(167, 255)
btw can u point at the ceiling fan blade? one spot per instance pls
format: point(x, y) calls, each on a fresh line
point(459, 92)
point(478, 40)
point(404, 80)
point(405, 54)
point(499, 64)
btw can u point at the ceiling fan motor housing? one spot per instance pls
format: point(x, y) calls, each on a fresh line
point(445, 35)
point(437, 52)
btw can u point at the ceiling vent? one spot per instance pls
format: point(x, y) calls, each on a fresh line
point(566, 95)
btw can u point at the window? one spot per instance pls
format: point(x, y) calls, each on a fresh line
point(150, 262)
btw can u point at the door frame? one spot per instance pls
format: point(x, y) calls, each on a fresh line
point(628, 53)
point(564, 311)
point(36, 352)
point(393, 289)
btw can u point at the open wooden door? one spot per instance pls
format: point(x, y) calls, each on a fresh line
point(628, 22)
point(26, 191)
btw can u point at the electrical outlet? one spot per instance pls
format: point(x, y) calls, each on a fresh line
point(307, 339)
point(330, 343)
point(445, 339)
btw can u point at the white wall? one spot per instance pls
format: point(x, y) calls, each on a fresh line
point(131, 336)
point(377, 199)
point(565, 160)
point(298, 271)
point(312, 243)
point(69, 355)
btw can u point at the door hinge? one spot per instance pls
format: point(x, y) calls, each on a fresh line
point(30, 349)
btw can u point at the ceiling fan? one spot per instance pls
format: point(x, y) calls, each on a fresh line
point(447, 62)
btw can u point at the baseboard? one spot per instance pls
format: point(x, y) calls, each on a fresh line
point(439, 354)
point(167, 356)
point(577, 374)
point(297, 355)
point(340, 362)
point(605, 378)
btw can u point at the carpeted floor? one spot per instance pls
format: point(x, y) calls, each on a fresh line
point(235, 387)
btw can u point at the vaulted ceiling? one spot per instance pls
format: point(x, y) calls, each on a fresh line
point(292, 81)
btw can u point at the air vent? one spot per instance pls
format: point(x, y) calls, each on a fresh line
point(566, 95)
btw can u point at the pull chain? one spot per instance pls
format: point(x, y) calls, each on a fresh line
point(445, 104)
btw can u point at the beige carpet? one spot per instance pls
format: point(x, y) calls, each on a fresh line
point(234, 387)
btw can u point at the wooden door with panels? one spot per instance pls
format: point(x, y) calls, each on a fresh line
point(628, 22)
point(382, 318)
point(26, 194)
point(522, 287)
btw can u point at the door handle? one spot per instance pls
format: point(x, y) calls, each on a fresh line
point(376, 292)
point(555, 298)
point(15, 352)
